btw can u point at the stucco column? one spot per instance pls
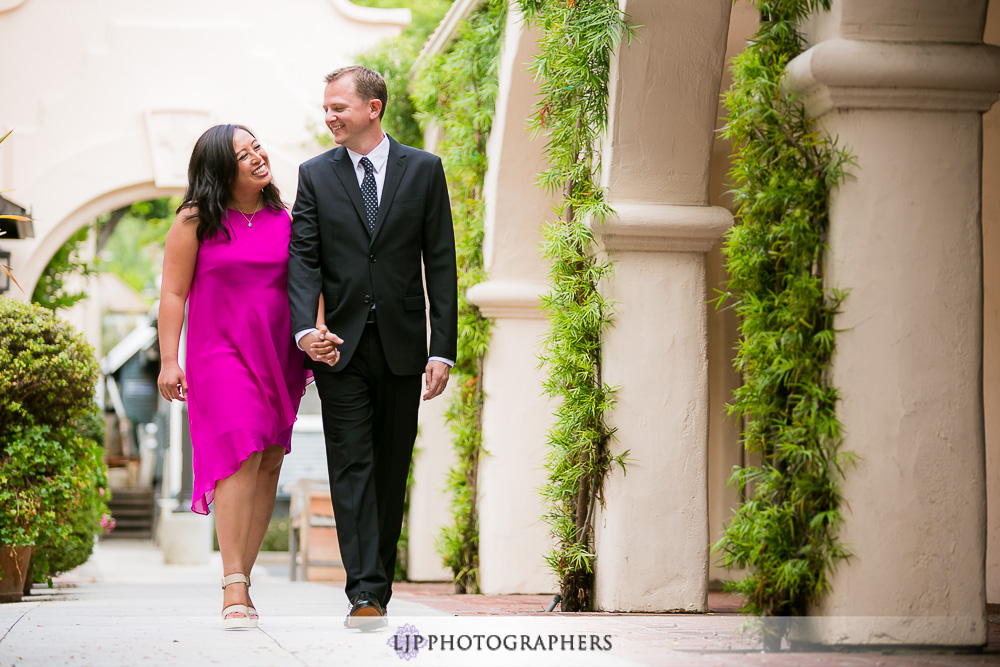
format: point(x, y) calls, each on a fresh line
point(429, 501)
point(652, 535)
point(903, 84)
point(513, 539)
point(991, 323)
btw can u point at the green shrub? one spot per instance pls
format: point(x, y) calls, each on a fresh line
point(47, 370)
point(51, 473)
point(83, 504)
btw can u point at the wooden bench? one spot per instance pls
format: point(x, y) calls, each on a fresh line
point(312, 538)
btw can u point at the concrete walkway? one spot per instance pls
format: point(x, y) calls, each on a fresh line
point(124, 607)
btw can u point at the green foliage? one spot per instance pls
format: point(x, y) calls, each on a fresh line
point(393, 58)
point(81, 502)
point(456, 91)
point(51, 291)
point(578, 38)
point(133, 249)
point(276, 537)
point(51, 471)
point(47, 370)
point(784, 169)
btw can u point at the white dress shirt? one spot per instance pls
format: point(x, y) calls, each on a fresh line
point(379, 156)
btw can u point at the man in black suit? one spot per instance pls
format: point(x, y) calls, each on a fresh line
point(371, 219)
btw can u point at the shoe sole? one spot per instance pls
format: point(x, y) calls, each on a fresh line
point(367, 622)
point(239, 624)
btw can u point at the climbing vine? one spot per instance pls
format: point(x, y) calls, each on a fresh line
point(456, 91)
point(784, 169)
point(577, 40)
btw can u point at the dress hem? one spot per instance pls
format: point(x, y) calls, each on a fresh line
point(200, 504)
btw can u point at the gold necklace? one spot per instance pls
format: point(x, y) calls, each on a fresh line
point(252, 215)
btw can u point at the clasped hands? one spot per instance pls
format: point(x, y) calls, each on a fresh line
point(321, 345)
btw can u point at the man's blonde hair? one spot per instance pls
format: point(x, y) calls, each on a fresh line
point(368, 83)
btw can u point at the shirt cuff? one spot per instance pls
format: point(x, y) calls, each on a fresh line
point(302, 334)
point(451, 364)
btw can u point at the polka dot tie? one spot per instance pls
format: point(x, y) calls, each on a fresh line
point(369, 193)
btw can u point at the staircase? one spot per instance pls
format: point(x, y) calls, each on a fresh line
point(133, 509)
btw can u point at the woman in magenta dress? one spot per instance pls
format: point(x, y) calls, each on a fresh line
point(226, 256)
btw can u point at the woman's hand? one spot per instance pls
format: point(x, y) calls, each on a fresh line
point(172, 383)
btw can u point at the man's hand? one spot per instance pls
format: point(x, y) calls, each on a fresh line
point(321, 345)
point(436, 374)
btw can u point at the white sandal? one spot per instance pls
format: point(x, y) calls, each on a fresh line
point(244, 622)
point(251, 612)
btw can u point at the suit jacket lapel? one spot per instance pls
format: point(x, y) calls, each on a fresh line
point(395, 167)
point(344, 168)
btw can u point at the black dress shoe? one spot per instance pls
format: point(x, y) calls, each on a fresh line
point(366, 613)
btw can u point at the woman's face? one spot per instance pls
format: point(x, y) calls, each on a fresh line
point(253, 166)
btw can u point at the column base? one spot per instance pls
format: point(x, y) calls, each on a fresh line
point(867, 633)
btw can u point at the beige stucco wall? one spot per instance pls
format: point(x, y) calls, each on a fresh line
point(657, 157)
point(429, 501)
point(991, 322)
point(107, 100)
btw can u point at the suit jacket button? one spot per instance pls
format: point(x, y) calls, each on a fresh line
point(372, 258)
point(367, 298)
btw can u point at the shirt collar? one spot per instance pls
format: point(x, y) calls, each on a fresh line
point(378, 155)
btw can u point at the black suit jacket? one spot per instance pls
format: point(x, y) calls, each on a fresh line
point(332, 249)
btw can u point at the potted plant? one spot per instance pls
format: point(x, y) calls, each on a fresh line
point(47, 377)
point(20, 507)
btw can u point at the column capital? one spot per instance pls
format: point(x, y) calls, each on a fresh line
point(858, 74)
point(647, 227)
point(509, 298)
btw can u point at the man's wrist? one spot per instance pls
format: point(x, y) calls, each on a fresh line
point(302, 334)
point(448, 362)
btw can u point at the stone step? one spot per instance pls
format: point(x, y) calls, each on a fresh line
point(119, 511)
point(131, 534)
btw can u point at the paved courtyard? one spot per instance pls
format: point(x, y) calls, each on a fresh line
point(124, 607)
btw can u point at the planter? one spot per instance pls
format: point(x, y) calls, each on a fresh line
point(29, 580)
point(14, 561)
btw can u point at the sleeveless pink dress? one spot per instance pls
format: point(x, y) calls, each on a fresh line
point(244, 373)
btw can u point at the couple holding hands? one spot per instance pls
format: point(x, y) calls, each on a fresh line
point(337, 290)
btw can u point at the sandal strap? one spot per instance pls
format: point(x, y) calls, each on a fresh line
point(236, 609)
point(235, 579)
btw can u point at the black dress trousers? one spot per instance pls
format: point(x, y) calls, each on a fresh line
point(370, 424)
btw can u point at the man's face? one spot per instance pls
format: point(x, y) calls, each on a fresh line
point(349, 117)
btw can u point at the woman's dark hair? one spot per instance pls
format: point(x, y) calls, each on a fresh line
point(211, 172)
